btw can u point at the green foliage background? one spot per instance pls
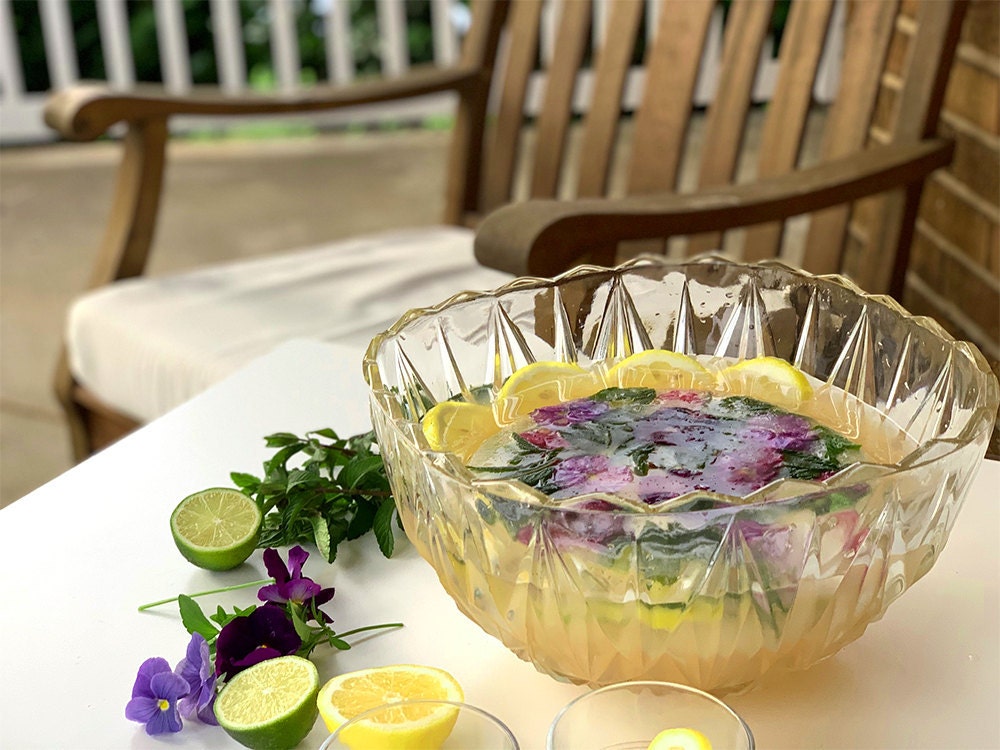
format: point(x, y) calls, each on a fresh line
point(142, 26)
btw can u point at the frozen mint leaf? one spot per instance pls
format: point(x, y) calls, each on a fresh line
point(625, 395)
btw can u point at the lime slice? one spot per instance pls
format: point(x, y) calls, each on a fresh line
point(660, 369)
point(409, 727)
point(271, 704)
point(458, 427)
point(216, 528)
point(768, 379)
point(680, 738)
point(543, 384)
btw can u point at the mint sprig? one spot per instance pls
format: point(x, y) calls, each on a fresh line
point(322, 489)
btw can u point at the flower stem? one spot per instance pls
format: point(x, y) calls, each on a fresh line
point(211, 591)
point(369, 627)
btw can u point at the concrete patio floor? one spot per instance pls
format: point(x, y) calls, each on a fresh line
point(223, 199)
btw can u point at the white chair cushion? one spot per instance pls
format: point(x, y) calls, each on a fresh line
point(146, 345)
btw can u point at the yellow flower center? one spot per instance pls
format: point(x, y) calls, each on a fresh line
point(163, 704)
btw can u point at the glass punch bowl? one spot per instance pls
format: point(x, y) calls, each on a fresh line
point(714, 592)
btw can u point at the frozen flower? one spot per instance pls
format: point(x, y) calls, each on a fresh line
point(265, 633)
point(582, 474)
point(786, 432)
point(683, 397)
point(677, 426)
point(657, 487)
point(593, 523)
point(743, 470)
point(290, 586)
point(196, 669)
point(569, 412)
point(544, 438)
point(154, 697)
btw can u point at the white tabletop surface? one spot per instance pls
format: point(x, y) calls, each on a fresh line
point(81, 553)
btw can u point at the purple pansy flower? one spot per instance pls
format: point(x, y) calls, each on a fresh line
point(786, 432)
point(154, 697)
point(569, 412)
point(583, 474)
point(654, 488)
point(683, 397)
point(290, 585)
point(742, 471)
point(546, 439)
point(196, 669)
point(265, 633)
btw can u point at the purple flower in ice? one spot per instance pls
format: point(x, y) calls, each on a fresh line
point(265, 633)
point(546, 439)
point(582, 474)
point(592, 523)
point(154, 697)
point(570, 412)
point(290, 585)
point(683, 397)
point(197, 670)
point(786, 432)
point(743, 470)
point(654, 488)
point(677, 426)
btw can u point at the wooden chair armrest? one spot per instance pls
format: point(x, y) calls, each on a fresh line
point(86, 111)
point(546, 237)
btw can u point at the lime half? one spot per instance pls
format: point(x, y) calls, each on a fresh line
point(271, 704)
point(216, 528)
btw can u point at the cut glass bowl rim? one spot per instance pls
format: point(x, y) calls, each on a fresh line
point(451, 466)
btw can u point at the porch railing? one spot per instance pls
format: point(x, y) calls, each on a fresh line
point(20, 109)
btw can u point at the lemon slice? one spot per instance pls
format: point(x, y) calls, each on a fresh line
point(680, 738)
point(411, 726)
point(660, 369)
point(543, 384)
point(768, 379)
point(458, 427)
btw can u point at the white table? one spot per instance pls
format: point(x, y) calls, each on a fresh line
point(79, 554)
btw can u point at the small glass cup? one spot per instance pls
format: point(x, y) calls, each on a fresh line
point(628, 715)
point(474, 728)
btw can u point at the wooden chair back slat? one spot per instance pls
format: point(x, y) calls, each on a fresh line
point(785, 123)
point(917, 112)
point(465, 157)
point(725, 123)
point(557, 108)
point(611, 69)
point(671, 72)
point(522, 49)
point(869, 30)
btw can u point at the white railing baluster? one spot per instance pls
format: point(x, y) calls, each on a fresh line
point(112, 19)
point(11, 79)
point(60, 47)
point(828, 75)
point(339, 55)
point(393, 46)
point(711, 59)
point(551, 13)
point(284, 44)
point(228, 38)
point(444, 36)
point(171, 35)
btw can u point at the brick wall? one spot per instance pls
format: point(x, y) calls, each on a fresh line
point(955, 263)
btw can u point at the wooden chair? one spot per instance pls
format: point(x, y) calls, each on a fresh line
point(878, 139)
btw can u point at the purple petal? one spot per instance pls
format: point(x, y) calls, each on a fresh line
point(272, 593)
point(141, 709)
point(296, 559)
point(169, 686)
point(196, 666)
point(207, 712)
point(300, 590)
point(164, 721)
point(147, 670)
point(323, 597)
point(275, 566)
point(273, 627)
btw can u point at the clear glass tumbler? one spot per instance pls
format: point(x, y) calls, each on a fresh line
point(628, 715)
point(473, 728)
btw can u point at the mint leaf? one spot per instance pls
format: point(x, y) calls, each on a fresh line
point(382, 526)
point(194, 619)
point(625, 395)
